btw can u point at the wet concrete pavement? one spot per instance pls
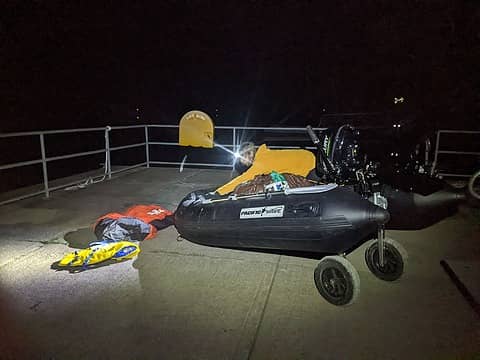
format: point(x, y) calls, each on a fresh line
point(179, 300)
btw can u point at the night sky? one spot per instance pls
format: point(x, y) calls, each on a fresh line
point(67, 65)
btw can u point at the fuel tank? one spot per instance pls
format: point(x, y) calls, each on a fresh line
point(334, 221)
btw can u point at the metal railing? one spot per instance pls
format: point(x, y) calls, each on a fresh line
point(234, 145)
point(236, 133)
point(438, 151)
point(44, 160)
point(107, 150)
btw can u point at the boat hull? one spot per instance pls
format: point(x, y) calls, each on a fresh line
point(334, 221)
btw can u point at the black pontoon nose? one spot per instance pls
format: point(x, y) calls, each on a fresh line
point(412, 211)
point(379, 215)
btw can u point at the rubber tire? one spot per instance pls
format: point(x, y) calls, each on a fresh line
point(395, 255)
point(351, 279)
point(471, 185)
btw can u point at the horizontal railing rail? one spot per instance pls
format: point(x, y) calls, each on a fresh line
point(49, 132)
point(234, 145)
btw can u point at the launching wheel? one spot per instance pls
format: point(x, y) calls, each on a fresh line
point(337, 280)
point(474, 185)
point(395, 257)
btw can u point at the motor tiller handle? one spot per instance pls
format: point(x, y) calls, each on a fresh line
point(321, 156)
point(312, 135)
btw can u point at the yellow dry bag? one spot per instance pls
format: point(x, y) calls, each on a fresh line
point(196, 129)
point(100, 251)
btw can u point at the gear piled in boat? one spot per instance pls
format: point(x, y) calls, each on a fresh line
point(271, 182)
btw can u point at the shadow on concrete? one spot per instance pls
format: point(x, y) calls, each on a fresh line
point(80, 238)
point(79, 269)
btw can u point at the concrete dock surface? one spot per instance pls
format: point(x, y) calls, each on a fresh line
point(179, 300)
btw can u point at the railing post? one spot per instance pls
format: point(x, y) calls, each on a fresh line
point(107, 151)
point(147, 147)
point(44, 166)
point(234, 140)
point(428, 148)
point(437, 144)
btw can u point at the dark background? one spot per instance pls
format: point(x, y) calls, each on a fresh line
point(270, 63)
point(69, 65)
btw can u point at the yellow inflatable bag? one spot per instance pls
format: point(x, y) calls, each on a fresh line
point(100, 251)
point(196, 129)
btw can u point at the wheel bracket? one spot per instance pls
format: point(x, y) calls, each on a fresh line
point(381, 247)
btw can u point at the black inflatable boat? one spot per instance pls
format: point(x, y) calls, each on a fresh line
point(322, 220)
point(327, 219)
point(333, 219)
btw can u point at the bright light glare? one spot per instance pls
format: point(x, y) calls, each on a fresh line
point(235, 154)
point(224, 148)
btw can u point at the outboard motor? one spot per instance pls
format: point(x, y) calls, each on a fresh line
point(345, 153)
point(341, 150)
point(414, 200)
